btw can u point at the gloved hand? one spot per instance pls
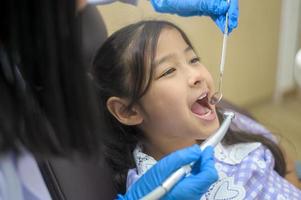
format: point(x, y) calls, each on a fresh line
point(216, 9)
point(233, 13)
point(191, 187)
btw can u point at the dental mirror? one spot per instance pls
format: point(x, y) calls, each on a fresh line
point(217, 96)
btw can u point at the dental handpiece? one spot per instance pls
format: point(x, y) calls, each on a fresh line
point(213, 140)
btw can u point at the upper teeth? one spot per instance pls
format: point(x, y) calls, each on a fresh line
point(203, 96)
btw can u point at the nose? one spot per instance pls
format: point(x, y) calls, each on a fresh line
point(195, 77)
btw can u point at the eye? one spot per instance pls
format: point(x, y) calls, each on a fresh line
point(167, 72)
point(195, 60)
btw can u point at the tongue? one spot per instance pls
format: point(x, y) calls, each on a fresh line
point(199, 109)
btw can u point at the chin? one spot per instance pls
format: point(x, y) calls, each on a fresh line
point(205, 134)
point(206, 131)
point(212, 129)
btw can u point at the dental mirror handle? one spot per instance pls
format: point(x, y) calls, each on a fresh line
point(217, 96)
point(213, 140)
point(224, 47)
point(225, 37)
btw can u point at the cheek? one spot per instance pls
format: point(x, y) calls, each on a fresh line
point(208, 77)
point(161, 101)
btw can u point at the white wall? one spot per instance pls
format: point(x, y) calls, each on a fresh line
point(288, 46)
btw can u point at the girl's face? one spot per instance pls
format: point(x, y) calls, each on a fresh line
point(175, 109)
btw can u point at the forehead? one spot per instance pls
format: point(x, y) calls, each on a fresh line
point(170, 41)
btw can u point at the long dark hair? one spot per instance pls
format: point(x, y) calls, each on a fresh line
point(119, 70)
point(47, 102)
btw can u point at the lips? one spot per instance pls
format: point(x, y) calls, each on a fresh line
point(202, 109)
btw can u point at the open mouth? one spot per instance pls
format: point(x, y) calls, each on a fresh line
point(202, 108)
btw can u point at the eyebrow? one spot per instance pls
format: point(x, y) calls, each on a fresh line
point(170, 56)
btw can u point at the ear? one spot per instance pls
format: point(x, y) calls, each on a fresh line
point(118, 108)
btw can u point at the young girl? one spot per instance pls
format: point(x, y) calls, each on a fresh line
point(155, 92)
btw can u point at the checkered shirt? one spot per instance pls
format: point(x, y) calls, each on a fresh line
point(246, 171)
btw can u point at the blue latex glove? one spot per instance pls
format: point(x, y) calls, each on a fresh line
point(216, 9)
point(192, 187)
point(233, 14)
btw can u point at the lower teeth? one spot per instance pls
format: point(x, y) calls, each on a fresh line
point(207, 113)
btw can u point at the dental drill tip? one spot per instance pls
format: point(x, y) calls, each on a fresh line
point(230, 114)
